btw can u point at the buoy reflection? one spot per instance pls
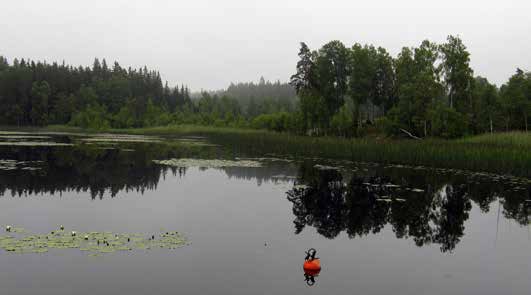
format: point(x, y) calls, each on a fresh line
point(311, 267)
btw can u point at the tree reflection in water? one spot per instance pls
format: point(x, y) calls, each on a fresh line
point(425, 206)
point(84, 169)
point(362, 205)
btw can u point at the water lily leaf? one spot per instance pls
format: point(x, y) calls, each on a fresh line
point(90, 242)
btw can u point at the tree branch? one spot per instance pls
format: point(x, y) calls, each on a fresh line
point(410, 135)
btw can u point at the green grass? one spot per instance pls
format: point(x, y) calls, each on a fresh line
point(507, 153)
point(515, 139)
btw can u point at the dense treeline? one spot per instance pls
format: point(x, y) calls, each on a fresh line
point(99, 97)
point(38, 93)
point(429, 90)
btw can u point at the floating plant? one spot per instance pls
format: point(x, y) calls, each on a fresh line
point(33, 143)
point(205, 163)
point(7, 164)
point(8, 137)
point(326, 167)
point(122, 138)
point(269, 159)
point(93, 243)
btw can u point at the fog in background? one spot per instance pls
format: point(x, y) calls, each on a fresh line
point(208, 44)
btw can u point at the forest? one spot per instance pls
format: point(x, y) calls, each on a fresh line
point(425, 91)
point(101, 97)
point(429, 90)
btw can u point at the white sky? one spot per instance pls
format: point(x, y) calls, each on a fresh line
point(208, 44)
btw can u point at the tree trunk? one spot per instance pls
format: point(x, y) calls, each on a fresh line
point(410, 134)
point(490, 125)
point(357, 119)
point(451, 102)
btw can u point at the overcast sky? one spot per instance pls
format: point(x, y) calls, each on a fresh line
point(208, 44)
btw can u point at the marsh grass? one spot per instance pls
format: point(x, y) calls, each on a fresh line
point(505, 153)
point(514, 139)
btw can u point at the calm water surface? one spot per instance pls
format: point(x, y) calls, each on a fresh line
point(377, 229)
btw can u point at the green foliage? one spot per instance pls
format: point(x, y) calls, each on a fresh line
point(394, 122)
point(124, 118)
point(279, 122)
point(425, 91)
point(331, 65)
point(486, 106)
point(516, 101)
point(343, 122)
point(362, 76)
point(155, 115)
point(94, 117)
point(85, 96)
point(321, 83)
point(63, 108)
point(458, 75)
point(40, 93)
point(446, 122)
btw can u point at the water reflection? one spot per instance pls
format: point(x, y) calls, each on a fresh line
point(107, 170)
point(311, 267)
point(82, 169)
point(422, 205)
point(426, 212)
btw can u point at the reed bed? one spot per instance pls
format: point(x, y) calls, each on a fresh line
point(504, 153)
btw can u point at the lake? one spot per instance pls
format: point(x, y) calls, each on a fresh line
point(249, 216)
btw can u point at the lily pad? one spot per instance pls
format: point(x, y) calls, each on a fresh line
point(207, 163)
point(33, 143)
point(93, 243)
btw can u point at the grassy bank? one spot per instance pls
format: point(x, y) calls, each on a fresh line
point(507, 153)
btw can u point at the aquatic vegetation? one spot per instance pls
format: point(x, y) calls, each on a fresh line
point(33, 143)
point(7, 164)
point(94, 243)
point(112, 138)
point(267, 159)
point(193, 141)
point(207, 163)
point(325, 167)
point(24, 137)
point(478, 153)
point(502, 153)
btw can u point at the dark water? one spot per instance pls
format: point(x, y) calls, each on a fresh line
point(377, 230)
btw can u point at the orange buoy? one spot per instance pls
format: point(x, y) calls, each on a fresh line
point(311, 263)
